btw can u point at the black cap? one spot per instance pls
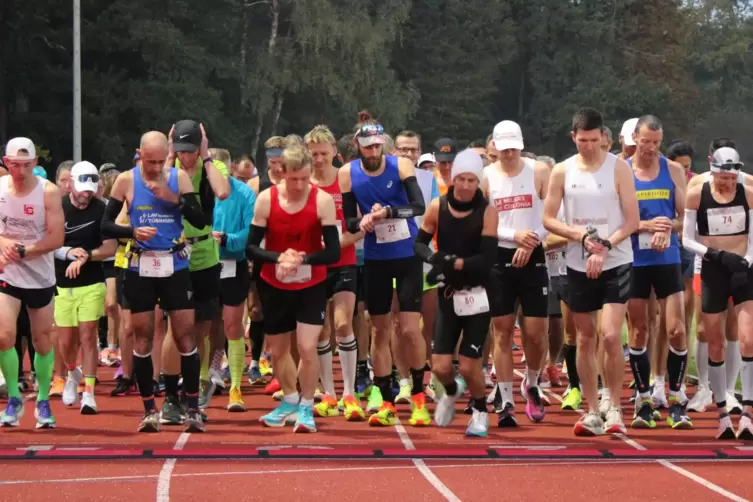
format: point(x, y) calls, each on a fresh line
point(445, 150)
point(186, 136)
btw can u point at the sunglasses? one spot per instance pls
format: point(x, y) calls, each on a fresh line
point(88, 178)
point(370, 130)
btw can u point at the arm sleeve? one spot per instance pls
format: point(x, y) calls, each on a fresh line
point(331, 252)
point(749, 252)
point(62, 253)
point(415, 205)
point(421, 245)
point(350, 213)
point(485, 261)
point(688, 234)
point(254, 251)
point(191, 210)
point(111, 229)
point(541, 232)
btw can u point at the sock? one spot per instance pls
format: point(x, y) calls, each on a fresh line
point(236, 358)
point(384, 383)
point(9, 367)
point(112, 346)
point(257, 339)
point(254, 364)
point(306, 402)
point(348, 356)
point(532, 377)
point(89, 382)
point(291, 398)
point(190, 367)
point(505, 390)
point(395, 377)
point(417, 377)
point(45, 366)
point(747, 377)
point(71, 370)
point(404, 381)
point(142, 366)
point(718, 382)
point(677, 363)
point(641, 367)
point(325, 367)
point(171, 385)
point(702, 362)
point(572, 366)
point(479, 403)
point(451, 388)
point(205, 359)
point(733, 361)
point(362, 368)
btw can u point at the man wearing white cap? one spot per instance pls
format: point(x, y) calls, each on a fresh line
point(31, 228)
point(517, 187)
point(721, 209)
point(81, 283)
point(627, 142)
point(466, 250)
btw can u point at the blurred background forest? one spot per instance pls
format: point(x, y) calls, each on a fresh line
point(249, 69)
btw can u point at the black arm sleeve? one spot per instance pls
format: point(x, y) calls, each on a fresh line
point(482, 263)
point(254, 251)
point(191, 210)
point(415, 205)
point(421, 246)
point(350, 213)
point(331, 252)
point(110, 229)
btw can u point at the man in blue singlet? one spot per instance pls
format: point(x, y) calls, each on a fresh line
point(158, 198)
point(386, 191)
point(660, 187)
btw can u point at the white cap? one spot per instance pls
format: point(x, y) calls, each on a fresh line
point(725, 159)
point(628, 128)
point(85, 177)
point(17, 145)
point(427, 157)
point(508, 136)
point(468, 162)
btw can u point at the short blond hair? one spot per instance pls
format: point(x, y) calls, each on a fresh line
point(295, 158)
point(274, 142)
point(220, 154)
point(320, 134)
point(293, 140)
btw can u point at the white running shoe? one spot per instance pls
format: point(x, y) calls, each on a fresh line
point(659, 397)
point(88, 404)
point(478, 425)
point(733, 405)
point(70, 391)
point(702, 399)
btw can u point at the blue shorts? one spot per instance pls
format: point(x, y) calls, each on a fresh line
point(686, 262)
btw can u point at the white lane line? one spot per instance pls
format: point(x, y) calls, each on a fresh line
point(163, 480)
point(669, 465)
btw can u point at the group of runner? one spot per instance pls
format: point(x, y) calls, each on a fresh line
point(310, 255)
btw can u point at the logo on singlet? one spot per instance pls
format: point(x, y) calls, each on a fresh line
point(28, 209)
point(514, 202)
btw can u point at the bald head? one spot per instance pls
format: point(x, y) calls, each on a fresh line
point(153, 139)
point(153, 153)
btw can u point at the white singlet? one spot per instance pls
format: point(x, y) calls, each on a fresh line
point(516, 200)
point(592, 199)
point(23, 220)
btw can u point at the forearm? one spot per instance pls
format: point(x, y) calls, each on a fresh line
point(555, 242)
point(220, 185)
point(483, 261)
point(254, 251)
point(106, 250)
point(236, 241)
point(563, 230)
point(47, 244)
point(330, 254)
point(109, 227)
point(350, 213)
point(622, 233)
point(421, 245)
point(191, 210)
point(414, 207)
point(689, 241)
point(349, 239)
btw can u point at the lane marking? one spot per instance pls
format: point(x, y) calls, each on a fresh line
point(163, 480)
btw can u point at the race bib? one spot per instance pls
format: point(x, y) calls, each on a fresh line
point(470, 301)
point(644, 240)
point(697, 265)
point(726, 220)
point(392, 231)
point(301, 273)
point(156, 264)
point(228, 269)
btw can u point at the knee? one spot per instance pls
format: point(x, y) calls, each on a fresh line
point(143, 346)
point(342, 328)
point(469, 367)
point(307, 350)
point(442, 369)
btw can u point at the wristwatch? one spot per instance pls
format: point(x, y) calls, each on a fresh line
point(21, 250)
point(208, 159)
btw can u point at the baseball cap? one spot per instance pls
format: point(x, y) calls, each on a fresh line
point(468, 162)
point(85, 177)
point(628, 128)
point(106, 168)
point(39, 171)
point(507, 136)
point(186, 136)
point(725, 159)
point(21, 149)
point(427, 157)
point(445, 150)
point(371, 134)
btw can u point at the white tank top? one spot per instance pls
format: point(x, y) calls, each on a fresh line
point(23, 220)
point(516, 199)
point(555, 258)
point(591, 199)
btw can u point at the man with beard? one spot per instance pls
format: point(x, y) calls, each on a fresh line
point(81, 283)
point(388, 195)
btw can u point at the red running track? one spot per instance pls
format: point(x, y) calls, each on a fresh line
point(104, 455)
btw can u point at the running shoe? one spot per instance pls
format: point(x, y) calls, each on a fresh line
point(404, 394)
point(123, 387)
point(206, 391)
point(733, 405)
point(272, 387)
point(644, 415)
point(745, 428)
point(385, 416)
point(478, 426)
point(375, 400)
point(70, 392)
point(172, 412)
point(353, 410)
point(265, 367)
point(572, 399)
point(13, 413)
point(589, 424)
point(235, 402)
point(305, 421)
point(57, 388)
point(702, 399)
point(327, 407)
point(659, 397)
point(506, 416)
point(725, 429)
point(420, 416)
point(150, 422)
point(254, 376)
point(677, 418)
point(278, 416)
point(88, 404)
point(194, 422)
point(43, 414)
point(613, 422)
point(534, 407)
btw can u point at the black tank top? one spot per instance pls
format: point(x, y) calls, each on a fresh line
point(265, 182)
point(461, 237)
point(720, 213)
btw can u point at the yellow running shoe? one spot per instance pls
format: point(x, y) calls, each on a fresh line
point(386, 416)
point(265, 368)
point(327, 407)
point(319, 394)
point(403, 397)
point(277, 396)
point(58, 385)
point(572, 400)
point(235, 403)
point(420, 417)
point(353, 410)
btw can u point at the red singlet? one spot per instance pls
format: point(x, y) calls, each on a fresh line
point(347, 254)
point(301, 231)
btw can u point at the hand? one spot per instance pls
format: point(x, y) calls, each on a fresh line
point(163, 192)
point(376, 207)
point(379, 214)
point(459, 264)
point(170, 161)
point(367, 223)
point(660, 241)
point(78, 254)
point(594, 247)
point(74, 269)
point(204, 147)
point(521, 257)
point(527, 239)
point(594, 265)
point(660, 224)
point(143, 234)
point(285, 268)
point(8, 250)
point(292, 257)
point(218, 237)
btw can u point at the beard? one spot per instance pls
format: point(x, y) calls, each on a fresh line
point(372, 164)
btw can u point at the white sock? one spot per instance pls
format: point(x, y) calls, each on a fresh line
point(718, 382)
point(659, 381)
point(306, 402)
point(348, 361)
point(325, 367)
point(532, 377)
point(702, 362)
point(505, 390)
point(291, 398)
point(747, 377)
point(733, 360)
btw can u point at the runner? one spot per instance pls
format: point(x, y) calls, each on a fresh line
point(294, 218)
point(157, 199)
point(601, 213)
point(466, 226)
point(445, 150)
point(721, 207)
point(660, 189)
point(517, 187)
point(31, 229)
point(81, 284)
point(387, 193)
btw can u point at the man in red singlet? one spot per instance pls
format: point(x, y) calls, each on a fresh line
point(294, 217)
